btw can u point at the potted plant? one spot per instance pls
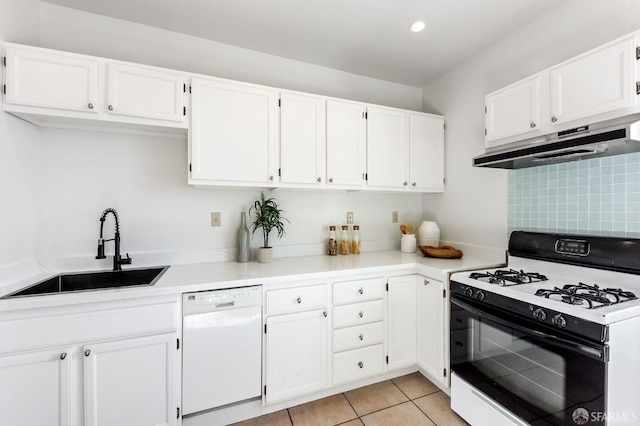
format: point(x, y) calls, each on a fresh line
point(268, 216)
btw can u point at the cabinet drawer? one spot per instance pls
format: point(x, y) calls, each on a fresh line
point(358, 291)
point(358, 336)
point(358, 313)
point(296, 299)
point(358, 363)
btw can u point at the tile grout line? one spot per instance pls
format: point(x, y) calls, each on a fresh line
point(413, 401)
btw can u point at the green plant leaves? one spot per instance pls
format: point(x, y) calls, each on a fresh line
point(268, 216)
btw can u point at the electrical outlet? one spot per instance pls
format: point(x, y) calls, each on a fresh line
point(349, 218)
point(215, 218)
point(394, 217)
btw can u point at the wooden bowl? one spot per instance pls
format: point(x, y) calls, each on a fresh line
point(442, 252)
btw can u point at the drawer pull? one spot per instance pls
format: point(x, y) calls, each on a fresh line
point(360, 314)
point(90, 105)
point(324, 314)
point(87, 352)
point(361, 337)
point(361, 291)
point(360, 364)
point(426, 282)
point(299, 300)
point(63, 355)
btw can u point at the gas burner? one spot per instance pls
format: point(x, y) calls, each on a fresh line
point(588, 296)
point(511, 277)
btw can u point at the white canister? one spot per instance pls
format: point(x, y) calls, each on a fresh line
point(429, 234)
point(408, 243)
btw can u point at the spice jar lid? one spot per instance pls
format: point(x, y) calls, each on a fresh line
point(332, 228)
point(356, 227)
point(345, 227)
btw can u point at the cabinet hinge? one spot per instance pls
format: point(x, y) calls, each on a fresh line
point(444, 180)
point(444, 372)
point(366, 176)
point(637, 88)
point(279, 102)
point(184, 110)
point(265, 329)
point(265, 389)
point(4, 61)
point(177, 412)
point(177, 343)
point(444, 293)
point(485, 132)
point(387, 287)
point(366, 115)
point(190, 167)
point(387, 359)
point(4, 88)
point(189, 88)
point(279, 172)
point(485, 109)
point(184, 88)
point(637, 54)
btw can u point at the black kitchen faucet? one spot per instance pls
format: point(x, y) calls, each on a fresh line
point(118, 261)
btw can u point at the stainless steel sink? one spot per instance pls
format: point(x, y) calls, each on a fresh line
point(86, 281)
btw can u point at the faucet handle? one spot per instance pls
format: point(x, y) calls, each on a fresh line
point(100, 254)
point(126, 261)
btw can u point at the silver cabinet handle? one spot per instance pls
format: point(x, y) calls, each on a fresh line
point(405, 183)
point(360, 364)
point(413, 184)
point(90, 105)
point(426, 282)
point(330, 180)
point(532, 125)
point(324, 314)
point(360, 314)
point(87, 352)
point(361, 290)
point(110, 107)
point(299, 300)
point(63, 355)
point(271, 178)
point(319, 180)
point(554, 119)
point(361, 337)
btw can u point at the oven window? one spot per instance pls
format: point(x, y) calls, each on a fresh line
point(541, 382)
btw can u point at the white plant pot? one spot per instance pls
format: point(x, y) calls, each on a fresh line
point(429, 234)
point(265, 254)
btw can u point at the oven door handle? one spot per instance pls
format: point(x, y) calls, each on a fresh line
point(598, 352)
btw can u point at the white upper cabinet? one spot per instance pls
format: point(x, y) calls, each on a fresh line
point(346, 143)
point(50, 79)
point(233, 137)
point(600, 81)
point(514, 110)
point(426, 148)
point(145, 92)
point(302, 138)
point(387, 148)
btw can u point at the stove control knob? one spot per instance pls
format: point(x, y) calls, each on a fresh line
point(539, 314)
point(480, 295)
point(559, 321)
point(468, 292)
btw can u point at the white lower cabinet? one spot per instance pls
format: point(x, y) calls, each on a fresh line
point(296, 343)
point(433, 351)
point(402, 321)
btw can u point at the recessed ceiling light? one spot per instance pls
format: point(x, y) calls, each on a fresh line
point(417, 26)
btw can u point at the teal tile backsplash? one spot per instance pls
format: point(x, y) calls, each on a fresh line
point(590, 197)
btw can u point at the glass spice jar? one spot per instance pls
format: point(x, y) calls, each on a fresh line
point(332, 243)
point(355, 240)
point(344, 240)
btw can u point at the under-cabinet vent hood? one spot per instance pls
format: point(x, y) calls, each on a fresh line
point(580, 143)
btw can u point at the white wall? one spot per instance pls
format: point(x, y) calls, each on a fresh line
point(18, 156)
point(474, 207)
point(144, 178)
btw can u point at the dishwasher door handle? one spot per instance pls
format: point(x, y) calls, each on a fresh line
point(225, 304)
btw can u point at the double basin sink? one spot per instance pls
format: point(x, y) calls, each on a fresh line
point(86, 281)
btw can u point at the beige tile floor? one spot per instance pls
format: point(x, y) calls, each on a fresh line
point(404, 401)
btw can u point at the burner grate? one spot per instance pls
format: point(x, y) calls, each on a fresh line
point(509, 277)
point(589, 296)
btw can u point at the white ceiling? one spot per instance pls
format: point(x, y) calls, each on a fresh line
point(365, 37)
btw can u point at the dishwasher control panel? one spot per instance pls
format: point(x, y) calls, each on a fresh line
point(212, 300)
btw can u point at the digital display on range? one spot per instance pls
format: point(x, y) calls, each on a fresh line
point(572, 247)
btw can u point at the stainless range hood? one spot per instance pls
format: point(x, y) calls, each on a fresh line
point(581, 143)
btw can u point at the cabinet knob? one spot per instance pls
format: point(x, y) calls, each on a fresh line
point(271, 178)
point(405, 183)
point(110, 107)
point(360, 364)
point(532, 125)
point(324, 314)
point(299, 300)
point(90, 105)
point(319, 180)
point(87, 352)
point(361, 337)
point(63, 355)
point(361, 290)
point(426, 282)
point(554, 119)
point(413, 184)
point(360, 314)
point(330, 180)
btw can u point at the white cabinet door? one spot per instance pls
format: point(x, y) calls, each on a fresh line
point(600, 81)
point(402, 321)
point(35, 388)
point(426, 146)
point(387, 148)
point(51, 79)
point(513, 110)
point(131, 382)
point(431, 328)
point(302, 138)
point(234, 128)
point(296, 354)
point(346, 143)
point(144, 92)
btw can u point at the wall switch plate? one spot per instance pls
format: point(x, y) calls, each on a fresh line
point(349, 218)
point(215, 218)
point(394, 217)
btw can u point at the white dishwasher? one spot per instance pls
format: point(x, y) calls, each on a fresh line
point(222, 347)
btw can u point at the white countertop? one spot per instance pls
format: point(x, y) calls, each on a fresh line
point(218, 275)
